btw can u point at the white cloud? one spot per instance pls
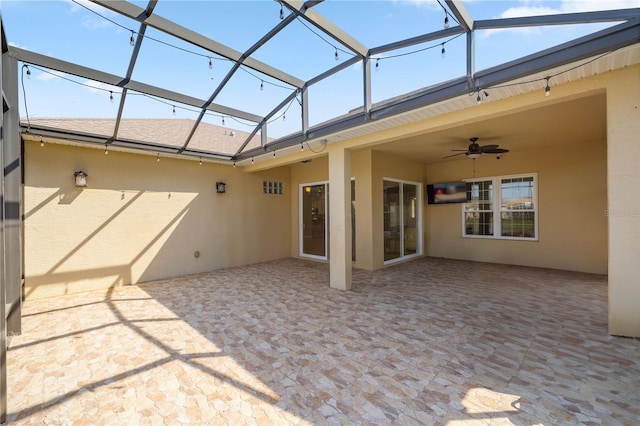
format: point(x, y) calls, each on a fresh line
point(11, 43)
point(91, 20)
point(573, 6)
point(432, 4)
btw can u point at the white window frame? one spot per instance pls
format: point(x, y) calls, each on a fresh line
point(301, 252)
point(497, 207)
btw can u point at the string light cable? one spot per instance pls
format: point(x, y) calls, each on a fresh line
point(548, 77)
point(278, 117)
point(336, 48)
point(27, 71)
point(208, 56)
point(132, 93)
point(263, 81)
point(324, 146)
point(398, 55)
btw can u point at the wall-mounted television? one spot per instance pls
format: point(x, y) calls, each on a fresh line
point(448, 192)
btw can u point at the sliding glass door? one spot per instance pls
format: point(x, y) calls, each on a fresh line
point(402, 219)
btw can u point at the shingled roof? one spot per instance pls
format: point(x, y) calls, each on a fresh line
point(167, 132)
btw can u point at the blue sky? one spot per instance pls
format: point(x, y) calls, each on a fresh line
point(70, 31)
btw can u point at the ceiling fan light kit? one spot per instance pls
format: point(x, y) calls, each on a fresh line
point(475, 151)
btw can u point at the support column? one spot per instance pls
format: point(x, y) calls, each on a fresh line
point(623, 209)
point(12, 178)
point(340, 218)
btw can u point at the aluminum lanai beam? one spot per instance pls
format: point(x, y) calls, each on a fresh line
point(305, 98)
point(262, 124)
point(233, 70)
point(560, 19)
point(117, 81)
point(132, 63)
point(3, 285)
point(436, 35)
point(582, 48)
point(305, 11)
point(463, 16)
point(161, 24)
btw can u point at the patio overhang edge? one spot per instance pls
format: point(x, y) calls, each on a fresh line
point(100, 141)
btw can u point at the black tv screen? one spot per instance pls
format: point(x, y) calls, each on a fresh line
point(449, 192)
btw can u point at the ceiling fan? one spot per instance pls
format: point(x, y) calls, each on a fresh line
point(474, 150)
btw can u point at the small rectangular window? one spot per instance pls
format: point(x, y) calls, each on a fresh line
point(271, 187)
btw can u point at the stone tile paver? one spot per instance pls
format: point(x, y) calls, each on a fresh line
point(426, 342)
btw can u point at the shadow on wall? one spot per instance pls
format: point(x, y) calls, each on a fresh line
point(120, 261)
point(133, 223)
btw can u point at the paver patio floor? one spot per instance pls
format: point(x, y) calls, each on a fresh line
point(430, 341)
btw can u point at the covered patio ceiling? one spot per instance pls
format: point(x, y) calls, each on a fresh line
point(294, 81)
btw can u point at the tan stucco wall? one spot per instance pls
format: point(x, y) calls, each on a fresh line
point(141, 220)
point(572, 200)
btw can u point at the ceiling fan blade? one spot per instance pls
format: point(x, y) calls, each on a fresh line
point(461, 150)
point(453, 155)
point(485, 148)
point(495, 151)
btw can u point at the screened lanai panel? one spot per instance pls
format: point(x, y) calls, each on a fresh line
point(337, 95)
point(48, 94)
point(251, 91)
point(70, 31)
point(223, 21)
point(412, 68)
point(382, 22)
point(303, 50)
point(152, 120)
point(497, 46)
point(186, 68)
point(213, 136)
point(287, 120)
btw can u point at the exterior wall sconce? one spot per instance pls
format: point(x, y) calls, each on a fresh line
point(221, 187)
point(81, 179)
